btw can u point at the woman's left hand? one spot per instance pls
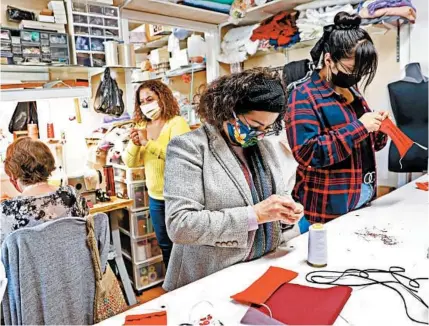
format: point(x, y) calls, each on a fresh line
point(384, 115)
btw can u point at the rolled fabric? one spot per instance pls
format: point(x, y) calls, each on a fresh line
point(208, 5)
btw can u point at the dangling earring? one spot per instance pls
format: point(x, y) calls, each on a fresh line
point(329, 75)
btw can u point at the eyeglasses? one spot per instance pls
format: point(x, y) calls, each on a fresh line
point(269, 131)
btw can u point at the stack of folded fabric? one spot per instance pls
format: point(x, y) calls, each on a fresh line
point(236, 45)
point(377, 11)
point(280, 30)
point(311, 21)
point(222, 6)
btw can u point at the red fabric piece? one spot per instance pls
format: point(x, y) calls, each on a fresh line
point(423, 186)
point(295, 304)
point(265, 286)
point(154, 318)
point(280, 27)
point(402, 142)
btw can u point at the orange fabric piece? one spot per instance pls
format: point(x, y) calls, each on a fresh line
point(281, 27)
point(154, 318)
point(423, 186)
point(402, 142)
point(265, 286)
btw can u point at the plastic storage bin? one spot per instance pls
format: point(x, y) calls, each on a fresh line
point(147, 274)
point(128, 175)
point(142, 224)
point(138, 192)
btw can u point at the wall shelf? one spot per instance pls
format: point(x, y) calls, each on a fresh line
point(22, 95)
point(169, 9)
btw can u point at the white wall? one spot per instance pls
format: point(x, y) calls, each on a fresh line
point(59, 111)
point(419, 46)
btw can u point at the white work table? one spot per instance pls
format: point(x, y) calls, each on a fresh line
point(403, 214)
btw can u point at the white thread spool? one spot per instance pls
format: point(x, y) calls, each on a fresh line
point(317, 246)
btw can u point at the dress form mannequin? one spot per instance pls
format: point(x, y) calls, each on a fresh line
point(409, 101)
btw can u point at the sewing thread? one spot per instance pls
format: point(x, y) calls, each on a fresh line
point(317, 246)
point(50, 130)
point(33, 131)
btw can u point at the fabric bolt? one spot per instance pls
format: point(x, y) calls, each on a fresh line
point(157, 216)
point(204, 4)
point(264, 287)
point(153, 155)
point(294, 304)
point(323, 132)
point(225, 2)
point(394, 20)
point(405, 12)
point(50, 272)
point(154, 318)
point(260, 182)
point(380, 4)
point(325, 3)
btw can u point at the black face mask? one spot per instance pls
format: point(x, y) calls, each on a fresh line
point(344, 80)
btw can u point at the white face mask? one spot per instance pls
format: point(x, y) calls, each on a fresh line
point(151, 110)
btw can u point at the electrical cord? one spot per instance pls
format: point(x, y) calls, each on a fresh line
point(411, 285)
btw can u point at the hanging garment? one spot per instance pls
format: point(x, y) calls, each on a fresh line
point(265, 286)
point(402, 142)
point(24, 114)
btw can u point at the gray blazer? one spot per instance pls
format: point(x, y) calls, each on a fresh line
point(207, 199)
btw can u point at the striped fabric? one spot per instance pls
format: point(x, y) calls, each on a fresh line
point(325, 135)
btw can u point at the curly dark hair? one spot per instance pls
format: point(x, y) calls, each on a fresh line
point(222, 97)
point(28, 160)
point(166, 101)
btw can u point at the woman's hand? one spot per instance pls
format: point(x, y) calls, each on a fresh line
point(372, 120)
point(278, 208)
point(139, 137)
point(385, 115)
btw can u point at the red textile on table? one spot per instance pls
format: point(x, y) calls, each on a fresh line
point(280, 27)
point(423, 186)
point(295, 304)
point(154, 318)
point(265, 286)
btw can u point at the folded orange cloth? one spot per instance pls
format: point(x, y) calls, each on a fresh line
point(423, 186)
point(154, 318)
point(265, 286)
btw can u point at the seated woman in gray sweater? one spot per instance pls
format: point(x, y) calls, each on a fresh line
point(29, 163)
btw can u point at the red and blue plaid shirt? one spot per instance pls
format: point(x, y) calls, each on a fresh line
point(325, 135)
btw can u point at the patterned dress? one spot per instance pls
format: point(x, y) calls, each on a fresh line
point(29, 211)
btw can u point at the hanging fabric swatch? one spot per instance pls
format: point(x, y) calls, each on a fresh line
point(402, 142)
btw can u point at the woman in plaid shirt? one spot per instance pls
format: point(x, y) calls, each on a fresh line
point(332, 132)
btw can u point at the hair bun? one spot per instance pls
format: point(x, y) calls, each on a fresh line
point(345, 21)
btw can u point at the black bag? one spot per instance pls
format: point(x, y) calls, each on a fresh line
point(25, 113)
point(16, 14)
point(108, 99)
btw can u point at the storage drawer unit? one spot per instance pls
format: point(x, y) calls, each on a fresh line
point(135, 191)
point(147, 274)
point(139, 250)
point(128, 175)
point(138, 224)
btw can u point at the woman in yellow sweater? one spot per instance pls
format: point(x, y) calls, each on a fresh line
point(157, 122)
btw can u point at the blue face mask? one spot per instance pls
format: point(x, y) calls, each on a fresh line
point(242, 134)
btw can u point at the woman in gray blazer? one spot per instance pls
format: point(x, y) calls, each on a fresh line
point(225, 198)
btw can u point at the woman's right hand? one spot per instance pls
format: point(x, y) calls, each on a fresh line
point(278, 208)
point(139, 136)
point(372, 121)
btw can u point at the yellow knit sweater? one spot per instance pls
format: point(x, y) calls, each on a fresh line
point(152, 156)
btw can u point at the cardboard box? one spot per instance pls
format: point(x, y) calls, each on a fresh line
point(159, 56)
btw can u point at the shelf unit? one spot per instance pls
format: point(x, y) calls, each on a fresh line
point(90, 25)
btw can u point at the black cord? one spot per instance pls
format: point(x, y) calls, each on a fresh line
point(411, 285)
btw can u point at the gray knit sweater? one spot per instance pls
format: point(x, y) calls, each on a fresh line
point(50, 273)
